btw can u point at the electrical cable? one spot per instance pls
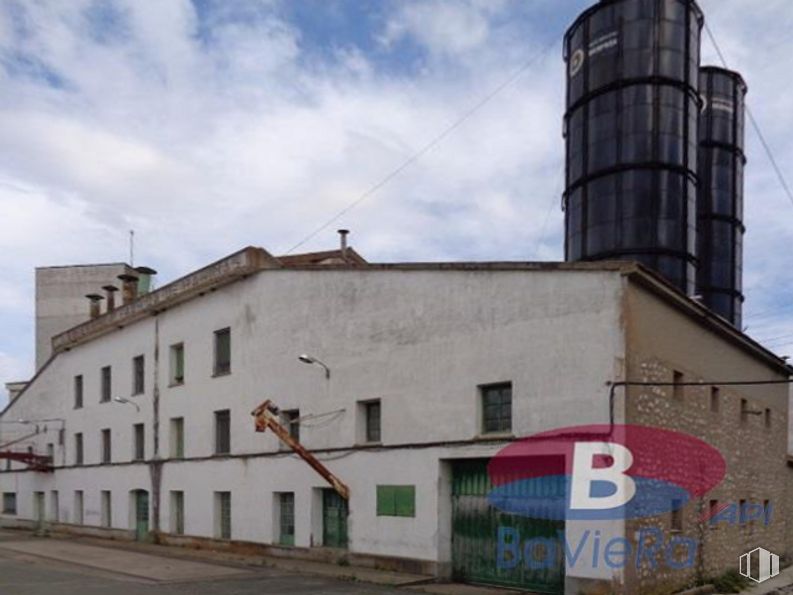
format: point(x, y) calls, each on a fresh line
point(434, 142)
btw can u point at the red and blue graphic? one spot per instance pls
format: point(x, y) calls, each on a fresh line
point(600, 472)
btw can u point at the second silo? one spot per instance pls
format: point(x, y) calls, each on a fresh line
point(720, 226)
point(631, 135)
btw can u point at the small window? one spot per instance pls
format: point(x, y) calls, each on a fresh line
point(744, 411)
point(78, 392)
point(678, 390)
point(290, 419)
point(138, 375)
point(222, 432)
point(106, 446)
point(742, 511)
point(139, 442)
point(373, 421)
point(177, 437)
point(715, 399)
point(177, 364)
point(222, 352)
point(55, 514)
point(767, 512)
point(9, 503)
point(106, 385)
point(676, 523)
point(177, 512)
point(713, 510)
point(767, 418)
point(78, 507)
point(223, 515)
point(51, 452)
point(496, 408)
point(107, 509)
point(78, 449)
point(286, 518)
point(396, 501)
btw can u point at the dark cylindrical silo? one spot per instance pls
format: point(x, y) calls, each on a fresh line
point(720, 226)
point(631, 135)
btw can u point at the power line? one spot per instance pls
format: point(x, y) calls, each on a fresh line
point(755, 125)
point(434, 142)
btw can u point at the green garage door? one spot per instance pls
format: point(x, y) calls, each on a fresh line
point(475, 535)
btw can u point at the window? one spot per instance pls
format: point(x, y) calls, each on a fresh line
point(715, 399)
point(222, 352)
point(177, 437)
point(106, 446)
point(78, 507)
point(222, 432)
point(767, 512)
point(678, 390)
point(9, 503)
point(177, 364)
point(744, 411)
point(139, 442)
point(177, 512)
point(223, 515)
point(138, 375)
point(713, 510)
point(741, 511)
point(291, 421)
point(54, 507)
point(676, 522)
point(396, 501)
point(107, 510)
point(51, 452)
point(496, 408)
point(78, 392)
point(106, 385)
point(372, 410)
point(78, 449)
point(767, 418)
point(286, 518)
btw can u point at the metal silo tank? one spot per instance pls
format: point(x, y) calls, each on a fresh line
point(720, 228)
point(631, 135)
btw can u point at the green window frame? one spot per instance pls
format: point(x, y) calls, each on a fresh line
point(399, 501)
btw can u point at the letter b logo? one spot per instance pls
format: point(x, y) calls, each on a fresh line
point(590, 482)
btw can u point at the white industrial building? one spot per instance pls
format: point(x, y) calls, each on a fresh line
point(146, 409)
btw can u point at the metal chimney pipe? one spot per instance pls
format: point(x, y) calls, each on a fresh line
point(95, 305)
point(343, 233)
point(129, 288)
point(110, 295)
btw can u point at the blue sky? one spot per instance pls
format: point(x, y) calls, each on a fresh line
point(214, 124)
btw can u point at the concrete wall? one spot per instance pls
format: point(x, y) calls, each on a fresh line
point(422, 341)
point(60, 299)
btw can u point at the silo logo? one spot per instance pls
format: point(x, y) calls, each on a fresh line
point(576, 62)
point(759, 565)
point(601, 473)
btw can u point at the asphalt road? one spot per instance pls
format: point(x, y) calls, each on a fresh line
point(22, 574)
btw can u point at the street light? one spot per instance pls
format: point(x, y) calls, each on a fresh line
point(124, 401)
point(308, 359)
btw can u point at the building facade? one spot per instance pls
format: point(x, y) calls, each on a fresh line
point(432, 369)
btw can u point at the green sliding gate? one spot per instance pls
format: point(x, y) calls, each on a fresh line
point(475, 535)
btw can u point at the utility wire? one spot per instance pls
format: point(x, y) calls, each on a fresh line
point(755, 124)
point(430, 145)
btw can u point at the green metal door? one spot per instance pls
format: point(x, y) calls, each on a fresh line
point(475, 535)
point(141, 515)
point(334, 519)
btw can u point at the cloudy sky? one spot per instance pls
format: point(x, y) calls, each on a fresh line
point(213, 124)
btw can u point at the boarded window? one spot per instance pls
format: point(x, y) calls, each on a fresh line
point(138, 375)
point(222, 352)
point(107, 509)
point(177, 437)
point(286, 516)
point(106, 385)
point(373, 421)
point(177, 512)
point(222, 432)
point(496, 408)
point(9, 503)
point(396, 501)
point(78, 392)
point(139, 442)
point(78, 449)
point(106, 446)
point(223, 515)
point(177, 364)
